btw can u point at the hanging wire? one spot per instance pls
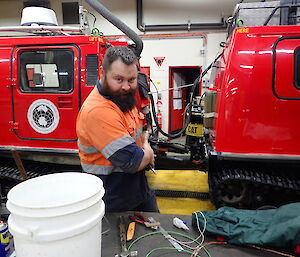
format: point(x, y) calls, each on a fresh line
point(95, 19)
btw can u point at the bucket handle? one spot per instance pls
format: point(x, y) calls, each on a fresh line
point(30, 232)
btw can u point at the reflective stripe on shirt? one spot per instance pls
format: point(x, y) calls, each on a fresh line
point(116, 145)
point(100, 170)
point(138, 133)
point(87, 149)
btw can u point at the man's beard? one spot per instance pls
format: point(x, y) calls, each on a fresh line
point(125, 101)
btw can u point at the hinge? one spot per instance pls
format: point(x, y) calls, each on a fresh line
point(12, 81)
point(13, 125)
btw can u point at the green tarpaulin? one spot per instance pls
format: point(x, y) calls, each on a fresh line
point(273, 227)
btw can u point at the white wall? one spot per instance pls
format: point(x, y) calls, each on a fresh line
point(177, 52)
point(10, 12)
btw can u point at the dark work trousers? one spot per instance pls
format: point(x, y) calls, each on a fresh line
point(149, 205)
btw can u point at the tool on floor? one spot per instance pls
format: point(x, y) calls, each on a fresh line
point(130, 231)
point(137, 217)
point(124, 250)
point(152, 221)
point(167, 236)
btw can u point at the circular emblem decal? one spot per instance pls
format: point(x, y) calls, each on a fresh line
point(43, 116)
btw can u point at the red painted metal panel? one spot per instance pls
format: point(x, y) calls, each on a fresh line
point(250, 117)
point(16, 130)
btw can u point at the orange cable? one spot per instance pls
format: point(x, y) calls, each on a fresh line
point(272, 251)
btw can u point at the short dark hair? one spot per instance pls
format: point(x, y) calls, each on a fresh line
point(112, 54)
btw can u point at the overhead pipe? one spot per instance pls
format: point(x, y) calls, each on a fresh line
point(101, 9)
point(161, 27)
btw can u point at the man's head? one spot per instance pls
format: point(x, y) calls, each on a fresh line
point(119, 77)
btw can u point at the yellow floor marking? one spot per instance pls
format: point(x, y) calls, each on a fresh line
point(182, 206)
point(178, 180)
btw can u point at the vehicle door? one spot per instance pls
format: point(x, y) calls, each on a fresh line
point(46, 92)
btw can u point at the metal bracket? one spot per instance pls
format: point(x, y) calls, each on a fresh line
point(19, 164)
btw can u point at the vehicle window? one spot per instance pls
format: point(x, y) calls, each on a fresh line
point(297, 68)
point(49, 70)
point(36, 74)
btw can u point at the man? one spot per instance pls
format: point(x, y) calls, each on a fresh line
point(110, 139)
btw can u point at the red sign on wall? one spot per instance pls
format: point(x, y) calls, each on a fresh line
point(159, 60)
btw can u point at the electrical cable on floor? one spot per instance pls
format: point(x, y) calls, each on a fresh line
point(169, 232)
point(160, 232)
point(203, 247)
point(198, 248)
point(185, 243)
point(167, 248)
point(251, 246)
point(270, 250)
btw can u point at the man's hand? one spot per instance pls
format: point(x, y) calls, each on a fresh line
point(145, 136)
point(147, 148)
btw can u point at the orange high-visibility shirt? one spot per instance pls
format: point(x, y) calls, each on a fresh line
point(103, 129)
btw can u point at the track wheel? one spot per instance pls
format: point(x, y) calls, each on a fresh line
point(230, 193)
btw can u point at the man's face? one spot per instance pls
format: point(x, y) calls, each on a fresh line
point(120, 83)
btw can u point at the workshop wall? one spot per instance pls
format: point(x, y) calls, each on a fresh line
point(10, 12)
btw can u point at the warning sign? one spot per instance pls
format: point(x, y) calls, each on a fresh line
point(159, 60)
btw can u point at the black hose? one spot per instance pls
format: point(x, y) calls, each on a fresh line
point(119, 24)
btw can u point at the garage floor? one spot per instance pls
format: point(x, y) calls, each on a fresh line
point(186, 191)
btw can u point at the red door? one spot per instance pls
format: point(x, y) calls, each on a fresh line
point(286, 91)
point(181, 80)
point(45, 95)
point(177, 100)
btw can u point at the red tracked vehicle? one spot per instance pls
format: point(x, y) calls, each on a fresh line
point(249, 140)
point(251, 115)
point(46, 73)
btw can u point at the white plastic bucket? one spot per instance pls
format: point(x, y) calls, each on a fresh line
point(57, 215)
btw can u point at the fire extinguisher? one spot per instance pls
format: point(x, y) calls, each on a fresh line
point(159, 110)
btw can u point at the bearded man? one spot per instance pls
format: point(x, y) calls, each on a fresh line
point(110, 139)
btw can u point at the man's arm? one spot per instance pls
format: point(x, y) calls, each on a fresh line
point(133, 158)
point(148, 157)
